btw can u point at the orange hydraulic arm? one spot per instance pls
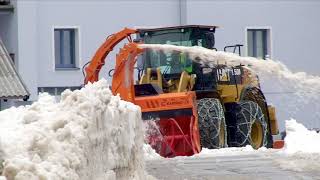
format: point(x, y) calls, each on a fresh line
point(123, 78)
point(92, 71)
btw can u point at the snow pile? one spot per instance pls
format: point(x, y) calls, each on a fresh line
point(89, 134)
point(293, 94)
point(231, 151)
point(150, 153)
point(300, 140)
point(302, 149)
point(224, 151)
point(152, 137)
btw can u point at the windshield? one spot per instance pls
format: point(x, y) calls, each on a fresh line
point(169, 62)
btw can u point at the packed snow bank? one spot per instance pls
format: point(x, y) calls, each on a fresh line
point(300, 140)
point(232, 151)
point(89, 134)
point(302, 148)
point(294, 94)
point(149, 153)
point(224, 151)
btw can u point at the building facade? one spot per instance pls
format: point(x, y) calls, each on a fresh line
point(51, 40)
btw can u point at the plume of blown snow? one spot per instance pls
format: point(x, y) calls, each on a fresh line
point(212, 58)
point(89, 134)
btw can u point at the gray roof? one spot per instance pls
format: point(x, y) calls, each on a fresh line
point(11, 85)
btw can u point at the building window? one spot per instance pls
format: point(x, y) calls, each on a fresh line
point(65, 48)
point(258, 43)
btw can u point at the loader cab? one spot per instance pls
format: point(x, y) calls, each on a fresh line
point(191, 35)
point(168, 70)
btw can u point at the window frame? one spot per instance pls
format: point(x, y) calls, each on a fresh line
point(269, 41)
point(76, 48)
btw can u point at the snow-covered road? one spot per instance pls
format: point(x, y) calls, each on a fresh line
point(239, 166)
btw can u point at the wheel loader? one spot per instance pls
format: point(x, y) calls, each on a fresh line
point(186, 105)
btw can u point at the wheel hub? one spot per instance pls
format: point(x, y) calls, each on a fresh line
point(256, 135)
point(222, 135)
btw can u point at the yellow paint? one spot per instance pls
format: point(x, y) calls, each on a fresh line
point(256, 135)
point(273, 120)
point(230, 93)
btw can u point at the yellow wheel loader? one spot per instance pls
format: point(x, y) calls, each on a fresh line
point(190, 104)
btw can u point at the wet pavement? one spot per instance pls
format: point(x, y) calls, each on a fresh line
point(246, 166)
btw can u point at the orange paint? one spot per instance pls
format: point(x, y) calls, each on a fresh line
point(278, 144)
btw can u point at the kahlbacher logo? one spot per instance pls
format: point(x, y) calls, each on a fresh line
point(166, 102)
point(174, 102)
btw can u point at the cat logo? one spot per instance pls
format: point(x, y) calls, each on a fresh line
point(223, 74)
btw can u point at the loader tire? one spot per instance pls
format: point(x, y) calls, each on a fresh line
point(250, 125)
point(212, 125)
point(254, 94)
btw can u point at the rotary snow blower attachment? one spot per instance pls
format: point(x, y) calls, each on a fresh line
point(186, 105)
point(176, 116)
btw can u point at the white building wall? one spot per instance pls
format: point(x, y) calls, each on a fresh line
point(95, 20)
point(28, 44)
point(294, 26)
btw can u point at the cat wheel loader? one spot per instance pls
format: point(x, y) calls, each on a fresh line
point(187, 105)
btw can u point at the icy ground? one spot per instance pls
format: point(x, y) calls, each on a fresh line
point(89, 134)
point(299, 159)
